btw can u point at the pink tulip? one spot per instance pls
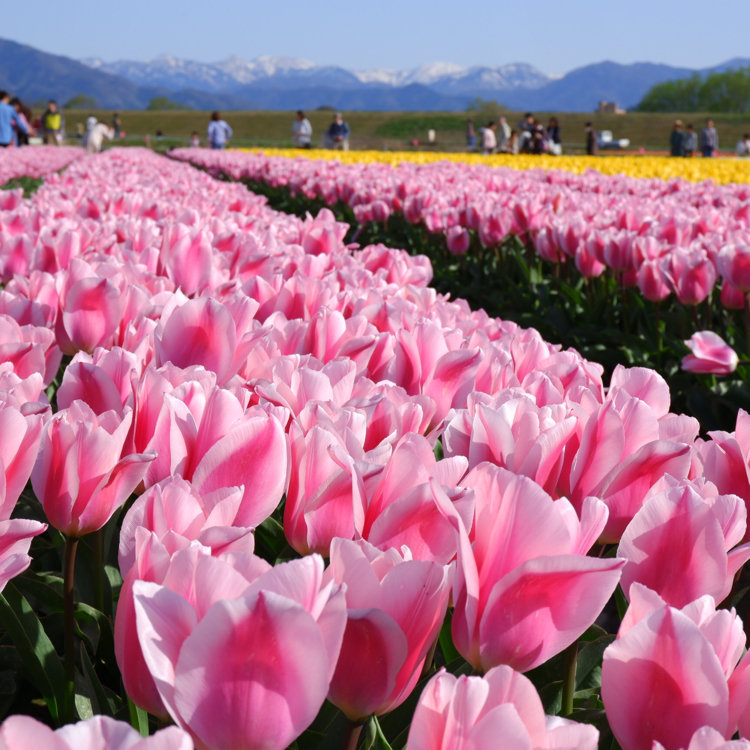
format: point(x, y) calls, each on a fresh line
point(458, 240)
point(20, 436)
point(499, 710)
point(80, 476)
point(734, 265)
point(667, 675)
point(525, 589)
point(395, 608)
point(97, 733)
point(710, 353)
point(511, 431)
point(185, 567)
point(680, 542)
point(174, 507)
point(90, 313)
point(250, 671)
point(15, 540)
point(691, 275)
point(326, 496)
point(707, 738)
point(198, 332)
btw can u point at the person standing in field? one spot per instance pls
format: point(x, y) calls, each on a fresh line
point(218, 132)
point(10, 123)
point(302, 131)
point(338, 133)
point(691, 141)
point(709, 140)
point(503, 133)
point(24, 115)
point(53, 125)
point(489, 141)
point(116, 124)
point(592, 143)
point(677, 140)
point(471, 136)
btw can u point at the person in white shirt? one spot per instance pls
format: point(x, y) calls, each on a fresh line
point(743, 145)
point(302, 131)
point(489, 141)
point(96, 132)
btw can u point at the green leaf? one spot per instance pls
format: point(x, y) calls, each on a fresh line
point(138, 719)
point(94, 688)
point(42, 665)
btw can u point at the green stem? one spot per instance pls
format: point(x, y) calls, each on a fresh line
point(351, 735)
point(71, 546)
point(98, 543)
point(569, 679)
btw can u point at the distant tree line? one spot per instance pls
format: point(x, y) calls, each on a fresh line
point(716, 92)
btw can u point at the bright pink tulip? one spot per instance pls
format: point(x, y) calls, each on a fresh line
point(458, 240)
point(327, 496)
point(395, 607)
point(250, 671)
point(15, 540)
point(691, 275)
point(731, 297)
point(525, 589)
point(402, 507)
point(710, 353)
point(734, 266)
point(91, 313)
point(500, 710)
point(97, 733)
point(726, 460)
point(667, 674)
point(80, 476)
point(680, 543)
point(198, 332)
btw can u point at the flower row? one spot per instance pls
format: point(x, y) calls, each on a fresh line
point(667, 238)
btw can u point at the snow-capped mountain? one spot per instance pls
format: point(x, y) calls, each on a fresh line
point(233, 73)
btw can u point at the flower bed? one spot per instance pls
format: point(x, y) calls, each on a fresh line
point(325, 453)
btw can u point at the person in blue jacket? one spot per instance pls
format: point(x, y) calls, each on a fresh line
point(338, 133)
point(8, 118)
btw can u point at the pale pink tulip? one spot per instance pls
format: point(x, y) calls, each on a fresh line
point(525, 589)
point(707, 738)
point(395, 609)
point(97, 733)
point(669, 672)
point(15, 540)
point(710, 353)
point(681, 543)
point(500, 710)
point(250, 671)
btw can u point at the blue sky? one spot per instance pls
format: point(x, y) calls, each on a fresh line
point(556, 36)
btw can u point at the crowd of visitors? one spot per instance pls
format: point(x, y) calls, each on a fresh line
point(529, 136)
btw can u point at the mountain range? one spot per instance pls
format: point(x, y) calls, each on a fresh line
point(290, 83)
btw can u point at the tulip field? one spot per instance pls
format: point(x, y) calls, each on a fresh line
point(270, 479)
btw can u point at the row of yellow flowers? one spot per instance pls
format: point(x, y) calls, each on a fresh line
point(720, 170)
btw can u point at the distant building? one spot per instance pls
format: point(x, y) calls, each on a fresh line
point(610, 108)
